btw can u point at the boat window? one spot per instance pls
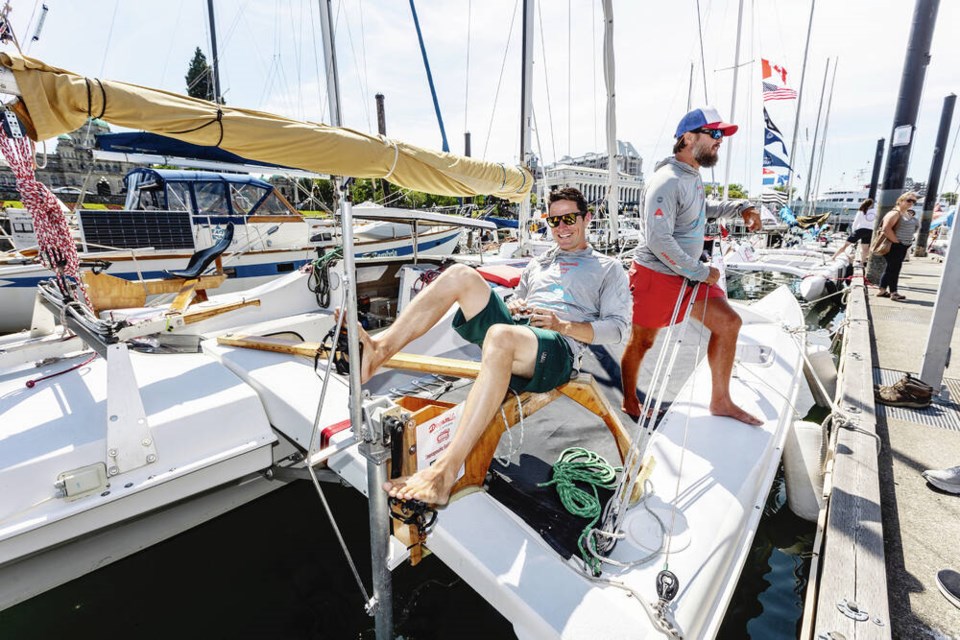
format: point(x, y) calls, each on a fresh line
point(149, 199)
point(211, 197)
point(244, 197)
point(178, 196)
point(273, 206)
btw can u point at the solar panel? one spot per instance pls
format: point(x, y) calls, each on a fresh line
point(136, 229)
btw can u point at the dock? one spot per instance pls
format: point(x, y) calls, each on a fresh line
point(886, 532)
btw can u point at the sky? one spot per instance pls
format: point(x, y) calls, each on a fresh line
point(270, 59)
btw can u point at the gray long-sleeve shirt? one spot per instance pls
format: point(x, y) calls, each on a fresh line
point(580, 286)
point(675, 213)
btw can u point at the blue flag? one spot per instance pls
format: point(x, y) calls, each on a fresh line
point(770, 137)
point(770, 160)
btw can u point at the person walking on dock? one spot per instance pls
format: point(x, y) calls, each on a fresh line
point(567, 298)
point(899, 226)
point(861, 230)
point(674, 216)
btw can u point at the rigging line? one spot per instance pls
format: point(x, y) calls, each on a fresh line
point(546, 81)
point(569, 76)
point(593, 35)
point(363, 52)
point(466, 75)
point(26, 30)
point(360, 80)
point(106, 49)
point(166, 59)
point(299, 60)
point(503, 65)
point(703, 63)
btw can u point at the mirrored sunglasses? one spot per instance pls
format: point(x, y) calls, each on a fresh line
point(716, 134)
point(568, 219)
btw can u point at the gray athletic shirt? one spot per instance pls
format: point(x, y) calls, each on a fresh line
point(674, 216)
point(580, 286)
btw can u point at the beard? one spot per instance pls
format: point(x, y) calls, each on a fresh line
point(706, 157)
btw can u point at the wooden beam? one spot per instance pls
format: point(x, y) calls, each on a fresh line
point(406, 361)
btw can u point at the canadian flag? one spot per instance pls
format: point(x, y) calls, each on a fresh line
point(768, 70)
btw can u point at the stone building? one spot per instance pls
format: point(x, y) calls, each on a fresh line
point(65, 167)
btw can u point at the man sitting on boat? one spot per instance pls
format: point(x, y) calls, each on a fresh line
point(567, 298)
point(667, 259)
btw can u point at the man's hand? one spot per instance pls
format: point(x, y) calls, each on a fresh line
point(714, 276)
point(518, 306)
point(546, 319)
point(751, 218)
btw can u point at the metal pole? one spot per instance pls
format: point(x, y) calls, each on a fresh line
point(215, 63)
point(875, 177)
point(813, 146)
point(382, 128)
point(371, 446)
point(796, 121)
point(733, 104)
point(526, 118)
point(609, 78)
point(944, 317)
point(426, 65)
point(905, 118)
point(933, 182)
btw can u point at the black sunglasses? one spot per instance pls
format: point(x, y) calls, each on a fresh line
point(716, 134)
point(911, 201)
point(568, 219)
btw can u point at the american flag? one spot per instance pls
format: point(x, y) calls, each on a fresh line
point(773, 92)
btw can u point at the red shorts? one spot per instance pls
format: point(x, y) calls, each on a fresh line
point(655, 296)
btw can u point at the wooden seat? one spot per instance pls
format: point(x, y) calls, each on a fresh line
point(110, 292)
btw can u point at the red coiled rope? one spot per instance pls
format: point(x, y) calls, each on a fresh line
point(58, 252)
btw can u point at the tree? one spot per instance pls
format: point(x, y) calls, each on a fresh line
point(950, 197)
point(735, 192)
point(199, 77)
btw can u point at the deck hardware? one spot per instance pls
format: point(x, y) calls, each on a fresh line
point(113, 471)
point(852, 610)
point(146, 442)
point(831, 635)
point(877, 621)
point(371, 606)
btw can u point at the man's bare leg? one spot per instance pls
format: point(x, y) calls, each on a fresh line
point(506, 349)
point(641, 339)
point(724, 325)
point(458, 284)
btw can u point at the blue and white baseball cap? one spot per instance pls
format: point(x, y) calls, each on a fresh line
point(706, 117)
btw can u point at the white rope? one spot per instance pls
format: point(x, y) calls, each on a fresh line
point(511, 450)
point(396, 157)
point(503, 65)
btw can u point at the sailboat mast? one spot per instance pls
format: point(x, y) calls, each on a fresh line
point(813, 146)
point(823, 138)
point(609, 76)
point(215, 62)
point(372, 445)
point(526, 118)
point(733, 103)
point(796, 121)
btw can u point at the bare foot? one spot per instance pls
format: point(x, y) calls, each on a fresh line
point(731, 410)
point(371, 357)
point(430, 485)
point(632, 409)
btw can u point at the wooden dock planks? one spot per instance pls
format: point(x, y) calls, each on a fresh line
point(851, 564)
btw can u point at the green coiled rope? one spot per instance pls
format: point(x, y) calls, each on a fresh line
point(574, 465)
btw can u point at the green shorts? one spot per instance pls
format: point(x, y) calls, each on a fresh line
point(554, 356)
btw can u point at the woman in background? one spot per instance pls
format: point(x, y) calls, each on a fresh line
point(899, 226)
point(861, 230)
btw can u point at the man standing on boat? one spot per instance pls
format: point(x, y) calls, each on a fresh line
point(667, 259)
point(567, 298)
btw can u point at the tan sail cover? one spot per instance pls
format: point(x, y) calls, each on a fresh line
point(59, 101)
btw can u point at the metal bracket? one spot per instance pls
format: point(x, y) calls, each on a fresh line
point(852, 610)
point(129, 441)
